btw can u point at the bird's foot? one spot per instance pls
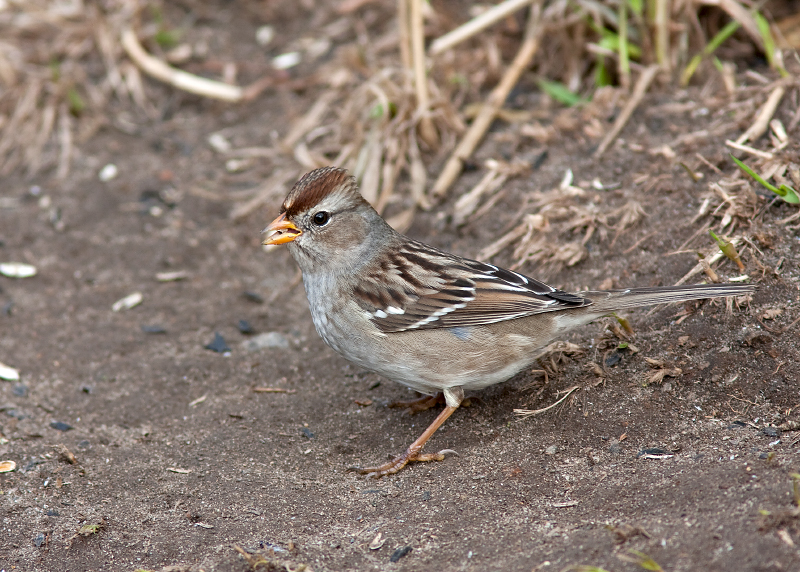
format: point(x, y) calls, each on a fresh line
point(400, 461)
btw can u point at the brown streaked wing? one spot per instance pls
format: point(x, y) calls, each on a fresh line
point(455, 292)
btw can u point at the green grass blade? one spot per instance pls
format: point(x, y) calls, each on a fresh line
point(766, 37)
point(791, 195)
point(728, 249)
point(785, 192)
point(715, 42)
point(690, 68)
point(601, 74)
point(721, 36)
point(769, 43)
point(612, 41)
point(755, 176)
point(559, 92)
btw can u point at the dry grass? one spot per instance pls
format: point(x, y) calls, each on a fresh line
point(62, 68)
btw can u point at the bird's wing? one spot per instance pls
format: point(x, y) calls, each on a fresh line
point(425, 288)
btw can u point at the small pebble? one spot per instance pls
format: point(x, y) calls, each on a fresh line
point(8, 373)
point(551, 450)
point(377, 542)
point(218, 344)
point(306, 432)
point(84, 444)
point(253, 297)
point(153, 329)
point(39, 540)
point(11, 412)
point(108, 172)
point(654, 453)
point(219, 143)
point(245, 327)
point(17, 270)
point(286, 61)
point(266, 340)
point(52, 512)
point(20, 390)
point(399, 553)
point(264, 35)
point(237, 165)
point(60, 426)
point(128, 302)
point(173, 276)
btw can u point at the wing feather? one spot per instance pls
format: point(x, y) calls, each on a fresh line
point(432, 289)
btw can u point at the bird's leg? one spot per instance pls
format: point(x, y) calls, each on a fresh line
point(453, 397)
point(422, 404)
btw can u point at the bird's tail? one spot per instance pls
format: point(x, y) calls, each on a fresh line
point(607, 301)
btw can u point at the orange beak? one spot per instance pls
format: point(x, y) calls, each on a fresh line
point(282, 231)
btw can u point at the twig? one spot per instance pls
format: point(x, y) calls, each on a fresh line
point(498, 173)
point(530, 412)
point(760, 125)
point(710, 260)
point(476, 25)
point(794, 121)
point(405, 36)
point(748, 149)
point(310, 120)
point(494, 103)
point(739, 13)
point(426, 129)
point(703, 229)
point(708, 164)
point(65, 141)
point(779, 331)
point(177, 78)
point(789, 219)
point(273, 390)
point(468, 202)
point(639, 90)
point(272, 187)
point(662, 22)
point(639, 242)
point(502, 242)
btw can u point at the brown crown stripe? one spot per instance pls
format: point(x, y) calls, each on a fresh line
point(313, 187)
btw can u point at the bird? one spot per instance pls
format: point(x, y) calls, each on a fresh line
point(430, 320)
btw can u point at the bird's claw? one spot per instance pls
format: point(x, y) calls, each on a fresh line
point(400, 461)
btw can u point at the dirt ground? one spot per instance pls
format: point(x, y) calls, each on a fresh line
point(178, 459)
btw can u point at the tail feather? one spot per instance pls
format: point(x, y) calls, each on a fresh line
point(606, 301)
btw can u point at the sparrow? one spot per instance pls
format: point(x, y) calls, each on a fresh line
point(430, 320)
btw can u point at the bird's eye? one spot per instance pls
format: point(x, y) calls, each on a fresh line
point(321, 218)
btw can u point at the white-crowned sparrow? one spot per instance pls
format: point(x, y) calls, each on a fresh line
point(427, 319)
